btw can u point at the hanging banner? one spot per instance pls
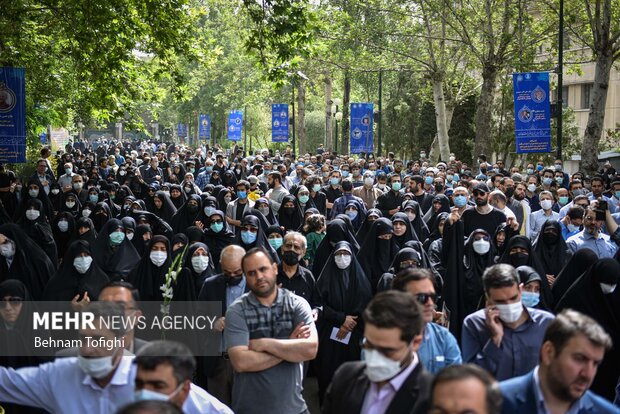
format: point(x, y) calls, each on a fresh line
point(279, 122)
point(361, 127)
point(235, 125)
point(204, 127)
point(532, 112)
point(12, 115)
point(182, 130)
point(59, 138)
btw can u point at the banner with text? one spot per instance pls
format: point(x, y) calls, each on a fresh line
point(361, 127)
point(279, 122)
point(204, 129)
point(182, 130)
point(235, 125)
point(12, 115)
point(532, 112)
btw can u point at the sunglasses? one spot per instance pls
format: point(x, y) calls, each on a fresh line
point(479, 193)
point(422, 298)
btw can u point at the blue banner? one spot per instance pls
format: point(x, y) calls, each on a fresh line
point(361, 128)
point(235, 125)
point(12, 115)
point(43, 138)
point(182, 130)
point(279, 122)
point(532, 112)
point(204, 128)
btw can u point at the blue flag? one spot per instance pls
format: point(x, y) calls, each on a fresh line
point(12, 115)
point(204, 129)
point(182, 130)
point(532, 112)
point(235, 125)
point(279, 122)
point(361, 127)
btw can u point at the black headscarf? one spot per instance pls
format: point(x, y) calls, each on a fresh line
point(217, 241)
point(406, 253)
point(148, 278)
point(47, 208)
point(363, 230)
point(116, 261)
point(180, 200)
point(271, 218)
point(184, 218)
point(409, 233)
point(91, 235)
point(194, 235)
point(39, 230)
point(376, 255)
point(100, 215)
point(575, 267)
point(197, 279)
point(75, 210)
point(261, 237)
point(502, 228)
point(435, 234)
point(336, 231)
point(474, 266)
point(178, 238)
point(290, 219)
point(64, 238)
point(138, 238)
point(167, 210)
point(445, 208)
point(68, 282)
point(553, 254)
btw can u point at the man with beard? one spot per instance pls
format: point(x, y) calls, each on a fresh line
point(269, 334)
point(592, 238)
point(483, 216)
point(573, 347)
point(514, 196)
point(276, 191)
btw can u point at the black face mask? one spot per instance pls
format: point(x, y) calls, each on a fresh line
point(483, 170)
point(509, 192)
point(438, 187)
point(519, 259)
point(550, 238)
point(288, 210)
point(192, 208)
point(233, 280)
point(290, 258)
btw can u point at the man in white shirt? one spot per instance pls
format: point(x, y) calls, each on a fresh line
point(538, 218)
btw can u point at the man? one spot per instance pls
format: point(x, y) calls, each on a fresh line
point(390, 202)
point(391, 378)
point(598, 187)
point(347, 195)
point(276, 192)
point(503, 337)
point(574, 346)
point(45, 179)
point(294, 277)
point(515, 192)
point(203, 178)
point(424, 199)
point(498, 200)
point(482, 216)
point(460, 199)
point(368, 193)
point(236, 208)
point(592, 238)
point(153, 173)
point(357, 179)
point(465, 389)
point(65, 180)
point(332, 191)
point(225, 288)
point(164, 372)
point(572, 221)
point(77, 183)
point(439, 347)
point(546, 213)
point(269, 334)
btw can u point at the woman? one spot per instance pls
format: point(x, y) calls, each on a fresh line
point(371, 215)
point(318, 197)
point(437, 230)
point(414, 212)
point(406, 257)
point(187, 215)
point(197, 267)
point(194, 235)
point(441, 204)
point(86, 230)
point(177, 196)
point(354, 211)
point(35, 225)
point(530, 294)
point(31, 191)
point(403, 230)
point(290, 215)
point(64, 231)
point(141, 237)
point(149, 274)
point(336, 231)
point(345, 291)
point(218, 235)
point(129, 223)
point(100, 215)
point(70, 203)
point(378, 250)
point(262, 205)
point(252, 235)
point(163, 207)
point(575, 267)
point(78, 275)
point(303, 197)
point(113, 253)
point(178, 243)
point(551, 249)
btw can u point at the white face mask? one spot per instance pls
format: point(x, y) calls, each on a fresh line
point(82, 264)
point(571, 227)
point(63, 225)
point(200, 263)
point(379, 367)
point(85, 212)
point(96, 367)
point(546, 204)
point(33, 193)
point(32, 214)
point(511, 312)
point(531, 188)
point(481, 246)
point(55, 191)
point(129, 236)
point(7, 249)
point(148, 395)
point(343, 261)
point(607, 289)
point(264, 210)
point(158, 258)
point(369, 181)
point(70, 204)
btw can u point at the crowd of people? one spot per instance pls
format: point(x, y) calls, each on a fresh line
point(399, 286)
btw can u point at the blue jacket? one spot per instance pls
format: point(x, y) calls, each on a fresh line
point(520, 397)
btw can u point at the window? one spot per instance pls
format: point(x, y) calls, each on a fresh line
point(564, 96)
point(586, 95)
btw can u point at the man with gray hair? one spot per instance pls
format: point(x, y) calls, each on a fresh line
point(573, 347)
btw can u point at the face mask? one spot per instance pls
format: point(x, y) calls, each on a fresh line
point(86, 212)
point(316, 188)
point(617, 194)
point(247, 237)
point(334, 181)
point(578, 192)
point(379, 367)
point(558, 167)
point(304, 199)
point(546, 204)
point(531, 188)
point(369, 181)
point(381, 186)
point(460, 201)
point(352, 214)
point(449, 177)
point(563, 200)
point(209, 168)
point(428, 180)
point(481, 246)
point(539, 168)
point(158, 258)
point(82, 264)
point(559, 180)
point(96, 367)
point(345, 174)
point(242, 194)
point(547, 181)
point(33, 193)
point(93, 198)
point(411, 215)
point(342, 261)
point(264, 210)
point(148, 395)
point(63, 225)
point(290, 258)
point(227, 199)
point(572, 228)
point(55, 191)
point(77, 186)
point(510, 312)
point(117, 238)
point(200, 263)
point(217, 227)
point(32, 214)
point(209, 210)
point(325, 173)
point(519, 259)
point(122, 173)
point(129, 236)
point(276, 243)
point(396, 186)
point(530, 299)
point(7, 249)
point(187, 189)
point(530, 171)
point(607, 288)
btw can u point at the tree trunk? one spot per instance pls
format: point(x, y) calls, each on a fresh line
point(329, 133)
point(344, 143)
point(483, 118)
point(434, 154)
point(443, 140)
point(301, 117)
point(596, 118)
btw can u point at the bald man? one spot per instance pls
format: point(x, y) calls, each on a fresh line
point(225, 288)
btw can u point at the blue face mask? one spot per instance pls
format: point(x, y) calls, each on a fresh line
point(530, 299)
point(209, 210)
point(396, 186)
point(93, 198)
point(208, 169)
point(617, 194)
point(276, 243)
point(247, 237)
point(428, 180)
point(345, 174)
point(530, 171)
point(303, 199)
point(352, 214)
point(217, 227)
point(539, 168)
point(460, 201)
point(547, 181)
point(242, 194)
point(117, 238)
point(334, 181)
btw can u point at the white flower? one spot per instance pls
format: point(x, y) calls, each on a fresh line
point(173, 275)
point(164, 309)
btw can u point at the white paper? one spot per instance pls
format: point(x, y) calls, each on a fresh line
point(345, 340)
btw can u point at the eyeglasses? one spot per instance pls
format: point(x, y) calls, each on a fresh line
point(12, 301)
point(422, 298)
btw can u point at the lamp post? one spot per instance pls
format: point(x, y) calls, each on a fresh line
point(559, 101)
